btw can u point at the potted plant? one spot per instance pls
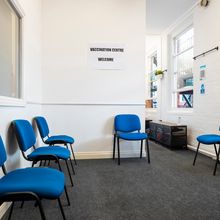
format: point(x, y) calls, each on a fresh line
point(159, 74)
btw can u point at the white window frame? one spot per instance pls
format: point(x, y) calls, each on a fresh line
point(153, 53)
point(181, 28)
point(10, 101)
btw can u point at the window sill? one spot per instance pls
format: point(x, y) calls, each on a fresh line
point(153, 110)
point(181, 112)
point(12, 102)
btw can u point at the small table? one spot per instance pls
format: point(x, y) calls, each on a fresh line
point(168, 134)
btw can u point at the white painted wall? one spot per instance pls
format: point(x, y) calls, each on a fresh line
point(32, 46)
point(205, 116)
point(92, 127)
point(81, 101)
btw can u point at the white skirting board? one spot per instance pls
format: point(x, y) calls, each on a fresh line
point(107, 154)
point(206, 153)
point(127, 154)
point(3, 208)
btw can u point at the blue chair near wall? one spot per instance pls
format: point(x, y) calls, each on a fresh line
point(55, 139)
point(127, 127)
point(209, 139)
point(27, 140)
point(30, 184)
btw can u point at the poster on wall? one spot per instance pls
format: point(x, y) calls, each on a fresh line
point(202, 72)
point(106, 56)
point(202, 89)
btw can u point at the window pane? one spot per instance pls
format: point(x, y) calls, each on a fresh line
point(184, 41)
point(152, 83)
point(154, 62)
point(153, 89)
point(154, 103)
point(9, 51)
point(184, 64)
point(183, 70)
point(185, 99)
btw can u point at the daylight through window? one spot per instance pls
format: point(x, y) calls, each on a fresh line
point(183, 70)
point(10, 51)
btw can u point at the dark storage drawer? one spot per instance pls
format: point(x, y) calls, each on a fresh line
point(168, 134)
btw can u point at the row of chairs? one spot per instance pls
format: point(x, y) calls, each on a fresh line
point(29, 184)
point(26, 184)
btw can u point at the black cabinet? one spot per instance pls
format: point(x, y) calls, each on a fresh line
point(169, 134)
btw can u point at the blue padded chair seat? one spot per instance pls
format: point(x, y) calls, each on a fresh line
point(209, 139)
point(133, 136)
point(45, 182)
point(56, 139)
point(59, 151)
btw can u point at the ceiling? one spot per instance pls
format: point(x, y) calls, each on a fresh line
point(162, 13)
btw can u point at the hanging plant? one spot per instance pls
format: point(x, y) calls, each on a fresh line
point(158, 72)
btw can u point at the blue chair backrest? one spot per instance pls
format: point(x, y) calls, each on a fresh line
point(3, 155)
point(127, 123)
point(25, 134)
point(42, 126)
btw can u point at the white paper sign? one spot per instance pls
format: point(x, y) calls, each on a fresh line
point(106, 56)
point(202, 72)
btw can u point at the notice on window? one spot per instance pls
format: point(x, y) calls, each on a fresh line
point(202, 72)
point(106, 56)
point(202, 89)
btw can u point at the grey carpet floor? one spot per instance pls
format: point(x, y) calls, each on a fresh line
point(168, 188)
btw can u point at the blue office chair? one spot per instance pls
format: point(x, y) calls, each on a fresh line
point(55, 139)
point(27, 140)
point(209, 139)
point(127, 127)
point(30, 184)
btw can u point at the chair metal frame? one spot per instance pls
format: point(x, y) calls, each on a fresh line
point(118, 148)
point(217, 152)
